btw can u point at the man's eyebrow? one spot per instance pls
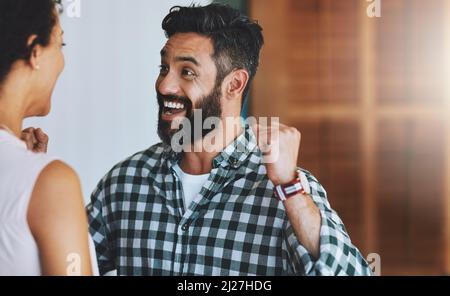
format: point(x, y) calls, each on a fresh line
point(187, 59)
point(181, 58)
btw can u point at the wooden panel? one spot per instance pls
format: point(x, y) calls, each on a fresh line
point(331, 151)
point(371, 98)
point(410, 49)
point(314, 52)
point(409, 193)
point(330, 52)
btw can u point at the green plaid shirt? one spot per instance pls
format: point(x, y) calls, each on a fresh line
point(234, 226)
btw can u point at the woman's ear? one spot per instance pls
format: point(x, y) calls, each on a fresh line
point(36, 52)
point(238, 80)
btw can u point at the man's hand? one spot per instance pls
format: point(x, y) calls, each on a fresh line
point(35, 139)
point(280, 145)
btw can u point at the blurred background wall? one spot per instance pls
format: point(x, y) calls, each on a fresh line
point(371, 97)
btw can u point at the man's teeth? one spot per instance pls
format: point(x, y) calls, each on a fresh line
point(173, 105)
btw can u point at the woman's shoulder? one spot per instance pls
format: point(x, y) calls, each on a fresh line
point(20, 169)
point(57, 190)
point(57, 178)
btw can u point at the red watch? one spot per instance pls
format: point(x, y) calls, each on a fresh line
point(298, 185)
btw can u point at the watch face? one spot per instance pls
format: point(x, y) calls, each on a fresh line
point(305, 183)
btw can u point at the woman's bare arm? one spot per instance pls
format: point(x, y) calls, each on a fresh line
point(58, 222)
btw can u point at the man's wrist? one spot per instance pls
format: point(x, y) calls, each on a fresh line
point(285, 179)
point(298, 185)
point(283, 192)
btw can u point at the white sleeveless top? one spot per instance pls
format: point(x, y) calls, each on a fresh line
point(19, 170)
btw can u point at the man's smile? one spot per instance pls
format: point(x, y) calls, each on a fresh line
point(172, 109)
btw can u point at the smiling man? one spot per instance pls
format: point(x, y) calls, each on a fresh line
point(232, 210)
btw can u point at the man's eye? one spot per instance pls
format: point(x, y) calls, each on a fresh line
point(163, 69)
point(189, 74)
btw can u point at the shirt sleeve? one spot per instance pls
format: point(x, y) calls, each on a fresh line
point(338, 256)
point(99, 231)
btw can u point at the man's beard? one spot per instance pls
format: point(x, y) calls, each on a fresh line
point(209, 105)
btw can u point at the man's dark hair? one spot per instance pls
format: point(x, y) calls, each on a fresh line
point(236, 39)
point(19, 19)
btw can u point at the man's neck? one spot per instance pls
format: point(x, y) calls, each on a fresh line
point(198, 160)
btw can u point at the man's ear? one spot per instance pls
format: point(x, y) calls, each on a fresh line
point(238, 80)
point(36, 52)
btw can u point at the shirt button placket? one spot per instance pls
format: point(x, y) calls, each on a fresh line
point(183, 232)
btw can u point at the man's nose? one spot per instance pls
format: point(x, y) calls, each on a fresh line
point(168, 85)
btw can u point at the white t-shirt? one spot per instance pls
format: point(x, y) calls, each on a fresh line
point(192, 184)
